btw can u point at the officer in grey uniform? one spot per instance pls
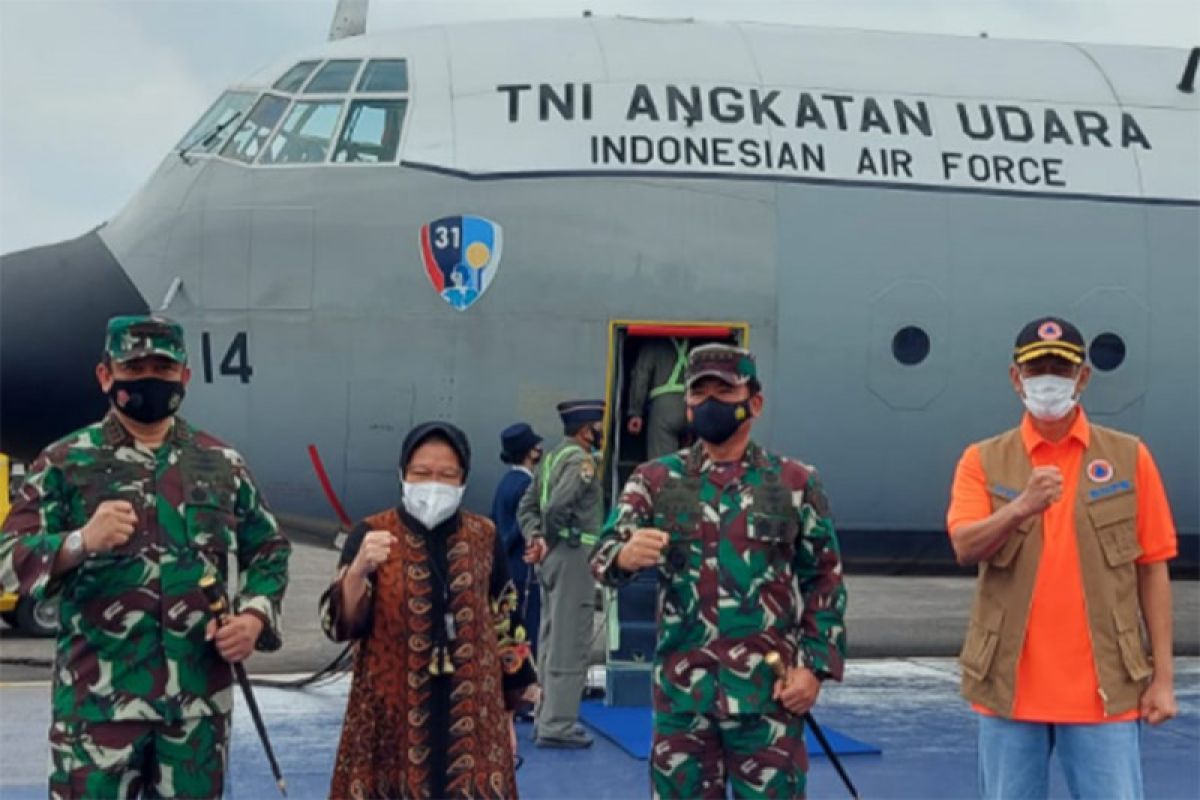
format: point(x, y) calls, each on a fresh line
point(657, 379)
point(560, 515)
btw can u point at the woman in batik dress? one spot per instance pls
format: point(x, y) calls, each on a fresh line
point(441, 662)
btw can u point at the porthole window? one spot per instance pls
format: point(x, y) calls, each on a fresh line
point(1107, 352)
point(910, 345)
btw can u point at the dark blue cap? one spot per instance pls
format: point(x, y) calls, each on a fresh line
point(516, 441)
point(581, 412)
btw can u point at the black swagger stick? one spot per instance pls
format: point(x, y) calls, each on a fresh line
point(214, 594)
point(775, 662)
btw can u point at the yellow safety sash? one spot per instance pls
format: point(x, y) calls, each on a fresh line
point(547, 471)
point(674, 384)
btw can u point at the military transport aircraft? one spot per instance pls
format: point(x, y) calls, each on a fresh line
point(475, 221)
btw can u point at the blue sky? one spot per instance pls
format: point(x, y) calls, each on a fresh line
point(93, 93)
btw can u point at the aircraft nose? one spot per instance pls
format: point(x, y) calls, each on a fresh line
point(54, 304)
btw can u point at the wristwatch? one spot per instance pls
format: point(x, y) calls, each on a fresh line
point(73, 544)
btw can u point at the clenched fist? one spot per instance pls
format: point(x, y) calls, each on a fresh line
point(1045, 487)
point(643, 549)
point(110, 526)
point(375, 548)
point(635, 425)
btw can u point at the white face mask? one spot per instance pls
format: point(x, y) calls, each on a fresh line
point(1049, 397)
point(431, 502)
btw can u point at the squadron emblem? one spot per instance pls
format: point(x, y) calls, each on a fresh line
point(461, 256)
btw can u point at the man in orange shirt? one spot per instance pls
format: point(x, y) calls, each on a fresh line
point(1069, 524)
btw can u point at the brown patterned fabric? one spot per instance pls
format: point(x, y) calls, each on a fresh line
point(385, 744)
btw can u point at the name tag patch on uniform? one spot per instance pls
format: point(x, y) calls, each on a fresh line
point(1100, 471)
point(1104, 491)
point(1005, 491)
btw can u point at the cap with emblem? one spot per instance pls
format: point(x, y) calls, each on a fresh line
point(581, 412)
point(1049, 337)
point(144, 335)
point(733, 365)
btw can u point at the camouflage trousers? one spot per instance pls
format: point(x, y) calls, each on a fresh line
point(185, 759)
point(762, 755)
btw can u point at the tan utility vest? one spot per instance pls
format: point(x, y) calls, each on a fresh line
point(1106, 534)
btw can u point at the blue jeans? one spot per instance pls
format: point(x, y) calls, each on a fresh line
point(1099, 761)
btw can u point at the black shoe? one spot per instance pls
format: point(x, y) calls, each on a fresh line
point(571, 742)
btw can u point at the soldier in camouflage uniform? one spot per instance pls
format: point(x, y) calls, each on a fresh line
point(120, 520)
point(561, 514)
point(748, 563)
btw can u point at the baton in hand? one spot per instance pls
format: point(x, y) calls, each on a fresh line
point(775, 662)
point(214, 594)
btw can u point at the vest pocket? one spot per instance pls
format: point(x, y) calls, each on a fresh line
point(1114, 523)
point(1008, 551)
point(983, 637)
point(1133, 653)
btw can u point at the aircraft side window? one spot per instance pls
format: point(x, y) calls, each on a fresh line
point(1107, 352)
point(335, 76)
point(294, 78)
point(910, 345)
point(304, 136)
point(371, 133)
point(384, 75)
point(211, 131)
point(248, 142)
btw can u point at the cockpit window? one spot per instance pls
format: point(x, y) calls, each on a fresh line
point(294, 78)
point(335, 76)
point(371, 134)
point(248, 142)
point(384, 75)
point(217, 123)
point(304, 136)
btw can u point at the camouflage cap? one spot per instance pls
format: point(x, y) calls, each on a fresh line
point(144, 335)
point(734, 365)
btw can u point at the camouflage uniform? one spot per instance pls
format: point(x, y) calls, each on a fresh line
point(138, 694)
point(752, 566)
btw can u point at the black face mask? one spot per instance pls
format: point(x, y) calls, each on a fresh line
point(597, 439)
point(715, 421)
point(147, 399)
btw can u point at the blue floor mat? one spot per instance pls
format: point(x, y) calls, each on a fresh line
point(629, 728)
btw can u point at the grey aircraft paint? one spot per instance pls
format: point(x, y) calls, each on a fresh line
point(311, 318)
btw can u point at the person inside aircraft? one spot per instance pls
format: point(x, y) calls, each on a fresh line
point(442, 662)
point(656, 395)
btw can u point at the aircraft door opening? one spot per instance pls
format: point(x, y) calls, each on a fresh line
point(645, 420)
point(645, 367)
